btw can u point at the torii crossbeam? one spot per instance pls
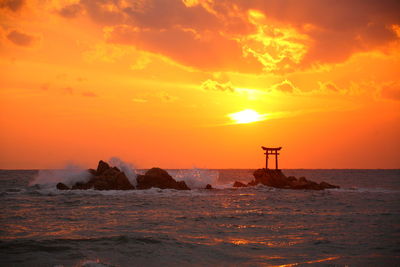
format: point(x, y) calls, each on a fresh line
point(271, 151)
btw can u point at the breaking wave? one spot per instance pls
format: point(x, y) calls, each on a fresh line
point(70, 175)
point(196, 178)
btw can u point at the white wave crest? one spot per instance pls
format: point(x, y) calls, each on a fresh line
point(126, 167)
point(70, 175)
point(196, 178)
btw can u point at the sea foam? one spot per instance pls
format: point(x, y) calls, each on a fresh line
point(196, 178)
point(70, 175)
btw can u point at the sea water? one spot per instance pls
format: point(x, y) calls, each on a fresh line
point(357, 225)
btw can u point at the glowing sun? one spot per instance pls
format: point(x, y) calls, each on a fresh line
point(246, 116)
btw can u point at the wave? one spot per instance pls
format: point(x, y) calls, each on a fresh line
point(127, 168)
point(70, 175)
point(365, 190)
point(196, 178)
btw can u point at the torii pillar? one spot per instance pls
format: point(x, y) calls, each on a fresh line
point(271, 151)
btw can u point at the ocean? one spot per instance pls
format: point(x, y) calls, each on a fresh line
point(356, 225)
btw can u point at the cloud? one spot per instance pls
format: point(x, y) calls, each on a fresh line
point(89, 94)
point(337, 29)
point(328, 86)
point(285, 86)
point(70, 11)
point(21, 39)
point(140, 63)
point(246, 36)
point(391, 91)
point(104, 52)
point(13, 5)
point(207, 51)
point(217, 86)
point(162, 96)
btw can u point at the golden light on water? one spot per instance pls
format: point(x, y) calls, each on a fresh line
point(247, 116)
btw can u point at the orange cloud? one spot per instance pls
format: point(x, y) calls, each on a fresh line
point(70, 11)
point(217, 86)
point(285, 86)
point(13, 5)
point(89, 94)
point(246, 36)
point(21, 39)
point(208, 51)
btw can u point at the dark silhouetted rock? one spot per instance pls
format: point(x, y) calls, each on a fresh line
point(276, 178)
point(156, 177)
point(328, 186)
point(82, 186)
point(92, 171)
point(252, 183)
point(208, 186)
point(273, 178)
point(61, 186)
point(104, 178)
point(103, 166)
point(239, 184)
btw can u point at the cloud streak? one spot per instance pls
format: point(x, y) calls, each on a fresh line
point(21, 39)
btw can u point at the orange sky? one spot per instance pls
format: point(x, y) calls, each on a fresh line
point(155, 82)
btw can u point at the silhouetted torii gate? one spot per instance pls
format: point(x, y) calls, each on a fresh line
point(271, 151)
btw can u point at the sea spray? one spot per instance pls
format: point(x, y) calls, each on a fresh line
point(196, 178)
point(70, 175)
point(127, 168)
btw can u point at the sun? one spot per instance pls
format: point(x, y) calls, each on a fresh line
point(246, 116)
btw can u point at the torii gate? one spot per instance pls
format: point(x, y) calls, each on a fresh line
point(271, 151)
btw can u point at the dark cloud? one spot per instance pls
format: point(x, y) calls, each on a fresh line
point(209, 35)
point(70, 11)
point(20, 38)
point(13, 5)
point(210, 51)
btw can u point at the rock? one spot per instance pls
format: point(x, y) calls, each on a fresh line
point(239, 184)
point(276, 178)
point(208, 186)
point(61, 186)
point(273, 178)
point(103, 166)
point(326, 185)
point(92, 171)
point(82, 186)
point(253, 183)
point(156, 177)
point(104, 178)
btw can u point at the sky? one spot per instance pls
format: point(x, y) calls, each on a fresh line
point(200, 83)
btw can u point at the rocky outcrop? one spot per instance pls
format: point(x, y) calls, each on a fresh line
point(276, 178)
point(61, 186)
point(239, 184)
point(106, 178)
point(103, 178)
point(156, 177)
point(208, 186)
point(111, 178)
